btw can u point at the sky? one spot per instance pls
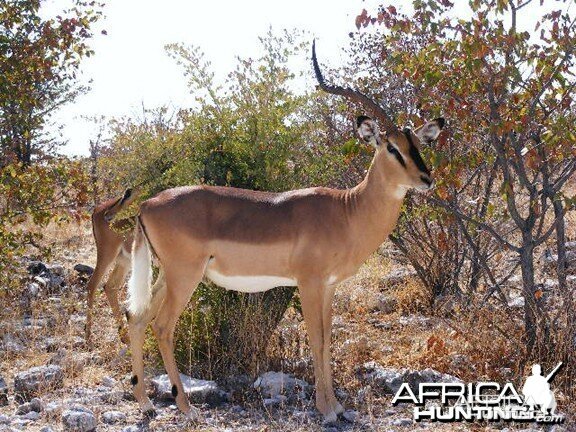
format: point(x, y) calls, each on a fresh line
point(130, 68)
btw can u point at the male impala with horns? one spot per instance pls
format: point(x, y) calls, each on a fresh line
point(252, 241)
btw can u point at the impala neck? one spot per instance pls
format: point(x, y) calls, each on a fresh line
point(377, 201)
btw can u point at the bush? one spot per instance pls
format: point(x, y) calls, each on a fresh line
point(254, 135)
point(30, 198)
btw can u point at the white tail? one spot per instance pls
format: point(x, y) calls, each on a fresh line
point(139, 286)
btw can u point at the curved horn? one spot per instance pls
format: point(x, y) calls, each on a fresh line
point(375, 109)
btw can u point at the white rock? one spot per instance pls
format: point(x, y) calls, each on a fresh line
point(109, 382)
point(419, 320)
point(57, 301)
point(268, 402)
point(273, 384)
point(77, 321)
point(50, 344)
point(35, 405)
point(72, 360)
point(517, 302)
point(198, 391)
point(113, 397)
point(387, 304)
point(402, 422)
point(12, 344)
point(550, 284)
point(389, 380)
point(134, 428)
point(43, 281)
point(19, 423)
point(79, 419)
point(32, 289)
point(53, 408)
point(32, 415)
point(34, 380)
point(113, 417)
point(397, 276)
point(350, 415)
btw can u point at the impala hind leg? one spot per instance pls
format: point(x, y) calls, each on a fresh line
point(137, 331)
point(111, 288)
point(103, 264)
point(312, 298)
point(180, 286)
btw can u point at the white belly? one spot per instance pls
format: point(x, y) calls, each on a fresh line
point(248, 284)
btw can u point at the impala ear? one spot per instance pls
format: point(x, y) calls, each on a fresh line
point(368, 130)
point(429, 131)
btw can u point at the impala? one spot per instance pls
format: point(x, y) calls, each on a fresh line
point(252, 241)
point(112, 248)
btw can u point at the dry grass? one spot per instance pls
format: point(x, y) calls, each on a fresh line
point(477, 345)
point(473, 345)
point(71, 243)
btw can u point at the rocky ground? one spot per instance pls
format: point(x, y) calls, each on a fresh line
point(50, 380)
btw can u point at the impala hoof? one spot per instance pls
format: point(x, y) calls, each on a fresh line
point(339, 409)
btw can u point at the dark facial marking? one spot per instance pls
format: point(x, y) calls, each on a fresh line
point(174, 390)
point(426, 180)
point(415, 154)
point(134, 380)
point(397, 154)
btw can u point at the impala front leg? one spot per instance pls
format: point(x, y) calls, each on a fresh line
point(312, 294)
point(327, 331)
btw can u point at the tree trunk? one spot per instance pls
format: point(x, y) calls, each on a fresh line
point(567, 296)
point(560, 244)
point(476, 267)
point(529, 290)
